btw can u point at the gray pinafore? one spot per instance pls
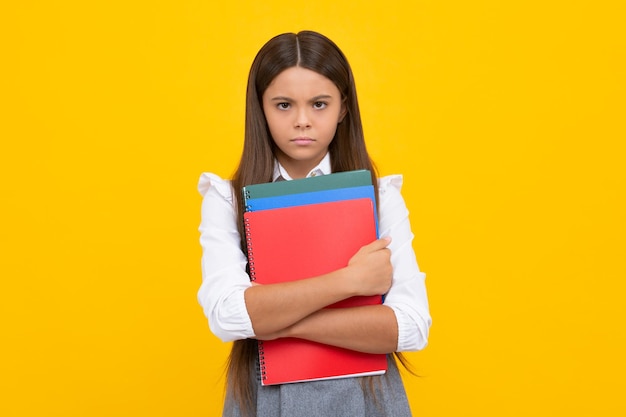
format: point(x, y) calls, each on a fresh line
point(330, 398)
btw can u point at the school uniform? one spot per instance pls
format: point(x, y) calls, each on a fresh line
point(224, 281)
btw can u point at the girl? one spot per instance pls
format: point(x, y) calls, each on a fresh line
point(302, 119)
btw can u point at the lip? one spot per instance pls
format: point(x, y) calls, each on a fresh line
point(302, 140)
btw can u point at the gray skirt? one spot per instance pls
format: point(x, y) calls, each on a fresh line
point(382, 396)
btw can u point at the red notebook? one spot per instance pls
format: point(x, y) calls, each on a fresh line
point(299, 242)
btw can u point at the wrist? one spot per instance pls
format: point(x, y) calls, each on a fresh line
point(349, 286)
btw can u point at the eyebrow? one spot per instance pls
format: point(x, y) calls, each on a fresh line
point(316, 98)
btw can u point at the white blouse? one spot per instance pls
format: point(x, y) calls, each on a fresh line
point(224, 277)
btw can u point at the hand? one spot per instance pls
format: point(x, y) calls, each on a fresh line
point(370, 268)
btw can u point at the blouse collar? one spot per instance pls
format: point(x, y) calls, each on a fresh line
point(323, 168)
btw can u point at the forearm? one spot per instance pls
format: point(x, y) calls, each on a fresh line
point(371, 329)
point(273, 308)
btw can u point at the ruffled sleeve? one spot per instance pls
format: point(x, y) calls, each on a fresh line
point(407, 296)
point(208, 180)
point(224, 277)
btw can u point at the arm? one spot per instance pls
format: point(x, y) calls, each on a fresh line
point(226, 294)
point(403, 322)
point(370, 329)
point(232, 304)
point(274, 308)
point(224, 277)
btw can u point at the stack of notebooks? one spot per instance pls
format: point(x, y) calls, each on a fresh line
point(301, 229)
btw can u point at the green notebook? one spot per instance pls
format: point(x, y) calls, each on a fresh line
point(319, 183)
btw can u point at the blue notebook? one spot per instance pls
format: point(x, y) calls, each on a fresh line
point(318, 183)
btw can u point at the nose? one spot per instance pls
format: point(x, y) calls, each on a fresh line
point(303, 120)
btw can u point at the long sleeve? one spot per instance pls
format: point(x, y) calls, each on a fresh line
point(224, 277)
point(407, 296)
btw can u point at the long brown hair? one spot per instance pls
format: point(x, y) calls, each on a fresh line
point(347, 150)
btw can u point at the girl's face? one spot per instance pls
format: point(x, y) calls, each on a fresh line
point(302, 109)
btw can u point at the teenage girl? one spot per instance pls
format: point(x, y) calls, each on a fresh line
point(302, 119)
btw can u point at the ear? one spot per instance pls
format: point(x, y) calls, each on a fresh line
point(342, 112)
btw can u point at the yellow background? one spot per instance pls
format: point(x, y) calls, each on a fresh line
point(506, 119)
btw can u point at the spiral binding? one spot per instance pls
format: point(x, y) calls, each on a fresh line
point(246, 197)
point(262, 368)
point(252, 272)
point(251, 268)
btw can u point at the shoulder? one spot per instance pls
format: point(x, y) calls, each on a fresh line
point(390, 184)
point(392, 205)
point(212, 183)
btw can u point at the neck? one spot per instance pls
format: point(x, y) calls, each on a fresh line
point(297, 169)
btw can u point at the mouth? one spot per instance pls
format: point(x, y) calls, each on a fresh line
point(302, 140)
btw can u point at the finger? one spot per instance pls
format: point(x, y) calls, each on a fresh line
point(381, 243)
